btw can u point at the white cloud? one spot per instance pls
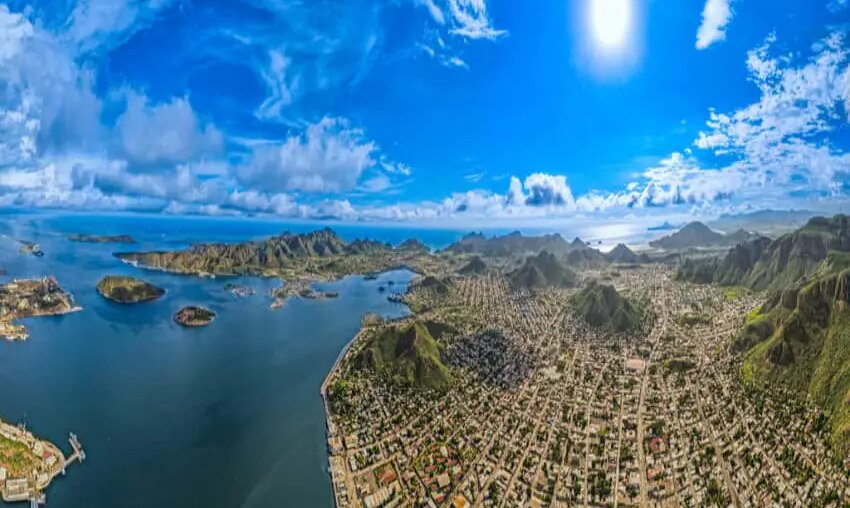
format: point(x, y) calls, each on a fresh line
point(164, 134)
point(328, 157)
point(433, 9)
point(715, 16)
point(281, 88)
point(470, 20)
point(94, 24)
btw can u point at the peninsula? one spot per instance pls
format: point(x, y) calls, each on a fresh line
point(84, 238)
point(30, 298)
point(28, 465)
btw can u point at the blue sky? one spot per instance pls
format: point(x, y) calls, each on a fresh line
point(428, 112)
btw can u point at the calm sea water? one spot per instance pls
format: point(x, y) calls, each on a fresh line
point(223, 416)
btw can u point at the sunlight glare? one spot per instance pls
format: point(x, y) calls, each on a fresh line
point(610, 20)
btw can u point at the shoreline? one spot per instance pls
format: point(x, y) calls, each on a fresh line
point(330, 428)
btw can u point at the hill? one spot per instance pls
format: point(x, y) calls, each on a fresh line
point(414, 245)
point(409, 356)
point(476, 266)
point(774, 264)
point(585, 258)
point(123, 289)
point(800, 338)
point(540, 271)
point(277, 253)
point(512, 244)
point(602, 306)
point(623, 255)
point(695, 234)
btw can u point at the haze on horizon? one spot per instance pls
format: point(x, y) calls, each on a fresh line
point(461, 113)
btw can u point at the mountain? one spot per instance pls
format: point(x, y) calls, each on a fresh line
point(254, 257)
point(475, 267)
point(414, 245)
point(623, 255)
point(409, 356)
point(800, 338)
point(540, 271)
point(585, 258)
point(602, 306)
point(366, 247)
point(695, 234)
point(512, 244)
point(773, 264)
point(763, 221)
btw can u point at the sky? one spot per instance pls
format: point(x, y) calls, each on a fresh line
point(444, 113)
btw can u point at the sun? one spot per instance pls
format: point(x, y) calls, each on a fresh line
point(610, 21)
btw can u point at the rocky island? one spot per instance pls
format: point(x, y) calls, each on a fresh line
point(193, 316)
point(83, 238)
point(29, 298)
point(126, 289)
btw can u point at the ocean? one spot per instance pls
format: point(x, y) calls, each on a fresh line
point(223, 416)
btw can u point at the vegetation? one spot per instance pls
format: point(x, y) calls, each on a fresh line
point(16, 458)
point(541, 271)
point(785, 262)
point(409, 356)
point(126, 289)
point(801, 339)
point(602, 306)
point(192, 316)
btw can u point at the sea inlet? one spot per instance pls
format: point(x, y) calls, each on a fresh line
point(227, 415)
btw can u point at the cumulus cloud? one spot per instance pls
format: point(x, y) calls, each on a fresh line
point(329, 156)
point(715, 16)
point(164, 134)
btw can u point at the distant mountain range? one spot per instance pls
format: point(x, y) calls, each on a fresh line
point(766, 222)
point(513, 244)
point(800, 337)
point(773, 264)
point(698, 235)
point(265, 255)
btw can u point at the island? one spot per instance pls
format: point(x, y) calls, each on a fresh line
point(193, 316)
point(28, 465)
point(31, 298)
point(31, 248)
point(126, 290)
point(84, 238)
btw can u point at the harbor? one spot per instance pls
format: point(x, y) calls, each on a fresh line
point(29, 465)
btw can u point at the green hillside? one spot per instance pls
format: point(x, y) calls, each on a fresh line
point(541, 271)
point(409, 356)
point(801, 338)
point(764, 264)
point(602, 306)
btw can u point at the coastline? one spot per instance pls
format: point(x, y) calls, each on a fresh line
point(330, 428)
